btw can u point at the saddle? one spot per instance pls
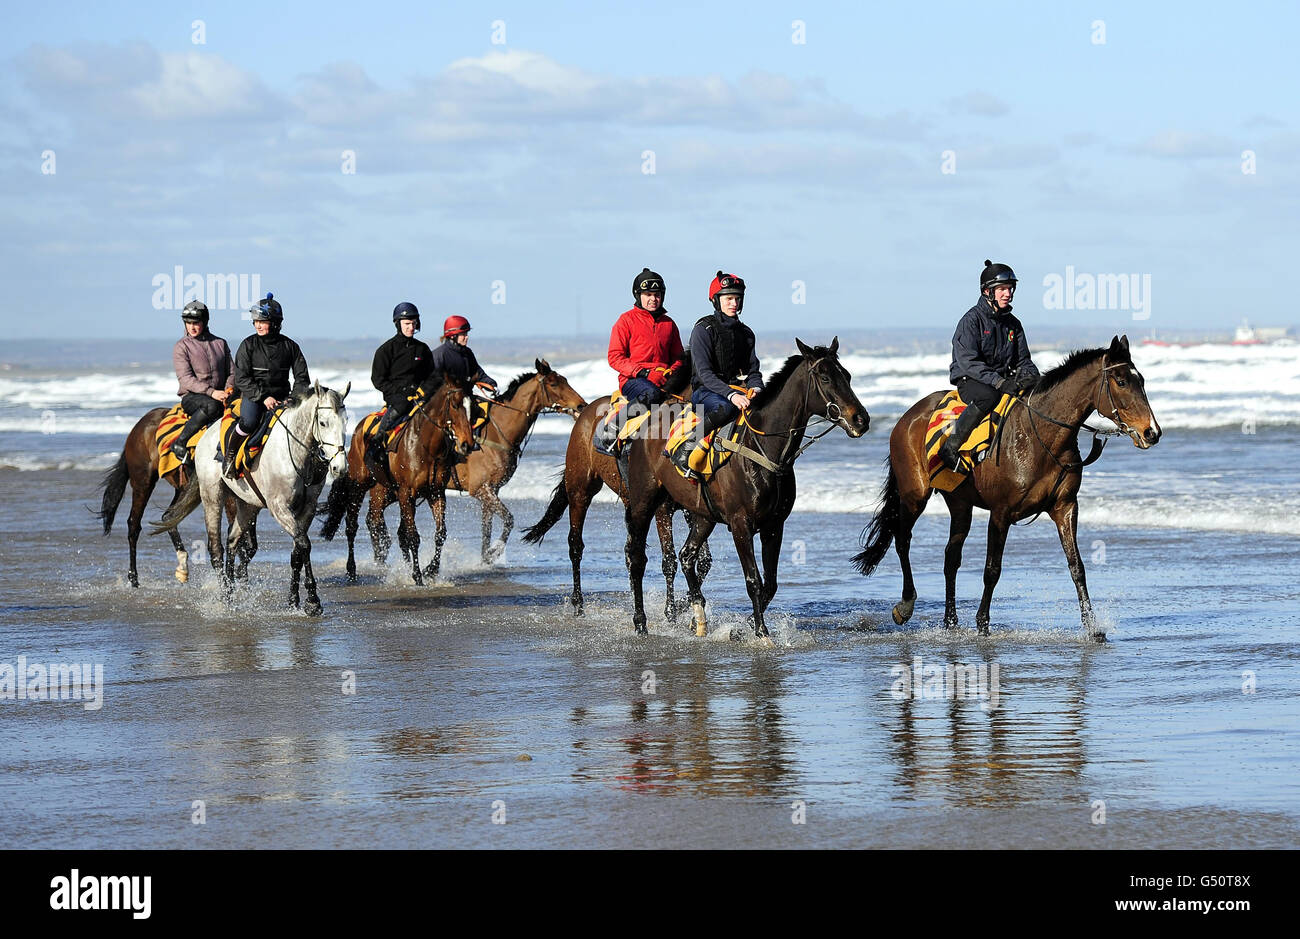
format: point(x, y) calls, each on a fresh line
point(248, 447)
point(976, 446)
point(617, 405)
point(368, 424)
point(717, 448)
point(169, 430)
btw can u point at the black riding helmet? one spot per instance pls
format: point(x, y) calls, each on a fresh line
point(997, 275)
point(406, 311)
point(268, 309)
point(646, 282)
point(196, 311)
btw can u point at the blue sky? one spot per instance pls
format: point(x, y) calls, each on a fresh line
point(521, 162)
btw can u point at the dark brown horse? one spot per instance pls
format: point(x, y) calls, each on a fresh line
point(586, 471)
point(1034, 468)
point(138, 466)
point(510, 418)
point(437, 435)
point(751, 494)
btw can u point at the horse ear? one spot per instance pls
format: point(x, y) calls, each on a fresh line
point(803, 350)
point(1123, 341)
point(315, 386)
point(540, 367)
point(346, 389)
point(835, 345)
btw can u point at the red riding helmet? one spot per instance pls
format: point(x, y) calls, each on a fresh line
point(454, 326)
point(725, 284)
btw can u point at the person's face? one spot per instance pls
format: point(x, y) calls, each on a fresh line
point(261, 327)
point(463, 338)
point(1001, 296)
point(652, 301)
point(730, 303)
point(407, 327)
point(193, 329)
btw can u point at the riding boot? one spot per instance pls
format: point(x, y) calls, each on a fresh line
point(192, 426)
point(232, 447)
point(950, 450)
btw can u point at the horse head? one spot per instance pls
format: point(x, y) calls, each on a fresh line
point(556, 392)
point(1122, 397)
point(447, 408)
point(835, 398)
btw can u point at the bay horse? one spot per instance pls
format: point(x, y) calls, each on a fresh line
point(1034, 467)
point(753, 493)
point(436, 436)
point(586, 472)
point(304, 450)
point(137, 465)
point(511, 417)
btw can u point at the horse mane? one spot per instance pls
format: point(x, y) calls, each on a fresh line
point(514, 385)
point(1073, 362)
point(773, 386)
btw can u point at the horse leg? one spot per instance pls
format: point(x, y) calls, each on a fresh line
point(1066, 516)
point(139, 500)
point(664, 522)
point(412, 538)
point(743, 536)
point(908, 513)
point(182, 571)
point(638, 515)
point(770, 538)
point(579, 502)
point(295, 571)
point(380, 541)
point(958, 529)
point(998, 526)
point(492, 505)
point(244, 515)
point(438, 507)
point(302, 544)
point(350, 527)
point(694, 556)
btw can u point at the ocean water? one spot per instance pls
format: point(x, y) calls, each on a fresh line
point(480, 699)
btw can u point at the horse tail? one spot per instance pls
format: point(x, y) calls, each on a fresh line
point(335, 506)
point(559, 502)
point(879, 535)
point(186, 502)
point(114, 485)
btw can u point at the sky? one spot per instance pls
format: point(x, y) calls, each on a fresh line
point(519, 163)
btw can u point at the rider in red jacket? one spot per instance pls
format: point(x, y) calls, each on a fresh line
point(644, 345)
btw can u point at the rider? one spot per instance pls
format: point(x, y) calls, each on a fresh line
point(401, 365)
point(456, 358)
point(722, 354)
point(203, 367)
point(990, 356)
point(644, 347)
point(262, 367)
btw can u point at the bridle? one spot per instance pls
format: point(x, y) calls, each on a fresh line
point(549, 407)
point(319, 454)
point(833, 415)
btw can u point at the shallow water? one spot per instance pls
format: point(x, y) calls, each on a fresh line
point(481, 695)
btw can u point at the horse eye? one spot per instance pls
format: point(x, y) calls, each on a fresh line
point(1121, 382)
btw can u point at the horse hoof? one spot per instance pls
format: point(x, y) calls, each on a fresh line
point(903, 611)
point(313, 608)
point(1098, 637)
point(133, 581)
point(983, 630)
point(766, 642)
point(182, 576)
point(952, 623)
point(701, 628)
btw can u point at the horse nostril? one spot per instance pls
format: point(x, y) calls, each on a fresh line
point(1151, 434)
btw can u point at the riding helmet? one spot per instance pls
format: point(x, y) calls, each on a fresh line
point(647, 282)
point(724, 285)
point(406, 311)
point(196, 311)
point(454, 326)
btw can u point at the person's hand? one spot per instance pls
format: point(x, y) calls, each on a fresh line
point(658, 377)
point(1026, 382)
point(270, 402)
point(221, 395)
point(739, 400)
point(1007, 386)
point(486, 386)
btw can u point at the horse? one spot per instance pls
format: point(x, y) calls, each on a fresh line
point(437, 435)
point(138, 465)
point(753, 493)
point(304, 449)
point(585, 471)
point(1033, 467)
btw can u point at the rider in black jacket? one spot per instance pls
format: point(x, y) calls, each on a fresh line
point(263, 366)
point(401, 365)
point(990, 356)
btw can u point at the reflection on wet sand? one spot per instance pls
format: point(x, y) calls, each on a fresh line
point(967, 752)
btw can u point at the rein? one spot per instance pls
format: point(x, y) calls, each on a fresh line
point(315, 454)
point(784, 465)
